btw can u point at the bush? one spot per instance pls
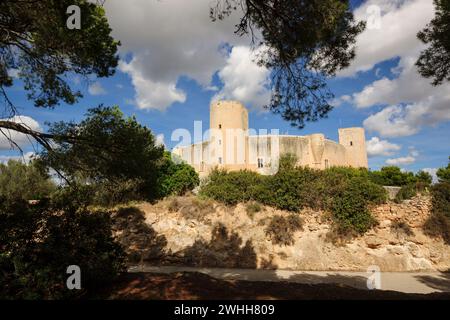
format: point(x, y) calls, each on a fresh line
point(405, 193)
point(251, 208)
point(443, 174)
point(38, 242)
point(178, 179)
point(350, 213)
point(346, 192)
point(402, 227)
point(281, 229)
point(439, 222)
point(109, 194)
point(25, 181)
point(232, 187)
point(392, 176)
point(441, 198)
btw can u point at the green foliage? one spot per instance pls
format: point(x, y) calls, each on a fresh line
point(289, 189)
point(232, 187)
point(405, 193)
point(392, 176)
point(346, 192)
point(35, 40)
point(26, 181)
point(107, 150)
point(444, 173)
point(38, 242)
point(350, 208)
point(288, 161)
point(441, 198)
point(424, 177)
point(434, 61)
point(251, 208)
point(401, 226)
point(176, 178)
point(306, 42)
point(439, 222)
point(281, 229)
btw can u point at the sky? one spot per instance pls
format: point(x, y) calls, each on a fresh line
point(174, 61)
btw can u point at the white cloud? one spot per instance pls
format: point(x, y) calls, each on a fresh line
point(167, 40)
point(337, 102)
point(150, 94)
point(243, 79)
point(409, 159)
point(96, 89)
point(26, 157)
point(19, 138)
point(399, 24)
point(13, 73)
point(160, 140)
point(401, 161)
point(432, 172)
point(410, 101)
point(377, 147)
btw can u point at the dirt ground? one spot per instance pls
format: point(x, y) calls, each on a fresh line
point(198, 286)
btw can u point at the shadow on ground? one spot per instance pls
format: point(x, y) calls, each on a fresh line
point(226, 249)
point(193, 285)
point(442, 283)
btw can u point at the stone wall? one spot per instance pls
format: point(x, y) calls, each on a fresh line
point(392, 191)
point(193, 232)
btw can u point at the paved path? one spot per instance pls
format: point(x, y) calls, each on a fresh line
point(409, 282)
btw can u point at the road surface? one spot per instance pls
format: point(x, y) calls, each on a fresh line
point(408, 282)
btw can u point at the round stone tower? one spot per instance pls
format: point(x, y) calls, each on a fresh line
point(228, 125)
point(228, 115)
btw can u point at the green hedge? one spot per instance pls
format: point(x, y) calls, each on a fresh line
point(345, 192)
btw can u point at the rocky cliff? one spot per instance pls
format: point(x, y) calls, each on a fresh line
point(193, 232)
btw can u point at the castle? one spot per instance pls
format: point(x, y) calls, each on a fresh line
point(233, 146)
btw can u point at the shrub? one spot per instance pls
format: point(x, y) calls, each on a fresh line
point(351, 214)
point(176, 179)
point(281, 229)
point(400, 226)
point(441, 198)
point(38, 242)
point(392, 176)
point(112, 193)
point(251, 208)
point(405, 193)
point(438, 224)
point(26, 181)
point(350, 209)
point(444, 173)
point(293, 188)
point(232, 187)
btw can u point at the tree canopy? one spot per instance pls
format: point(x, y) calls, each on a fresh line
point(19, 180)
point(305, 42)
point(36, 44)
point(434, 62)
point(444, 173)
point(106, 147)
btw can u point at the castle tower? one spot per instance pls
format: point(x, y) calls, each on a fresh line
point(354, 141)
point(228, 125)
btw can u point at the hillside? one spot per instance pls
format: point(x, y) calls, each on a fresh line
point(194, 232)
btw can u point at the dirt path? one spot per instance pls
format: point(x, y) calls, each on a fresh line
point(407, 282)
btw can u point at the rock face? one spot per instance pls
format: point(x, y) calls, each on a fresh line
point(192, 232)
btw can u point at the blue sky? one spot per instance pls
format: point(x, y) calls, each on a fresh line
point(169, 75)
